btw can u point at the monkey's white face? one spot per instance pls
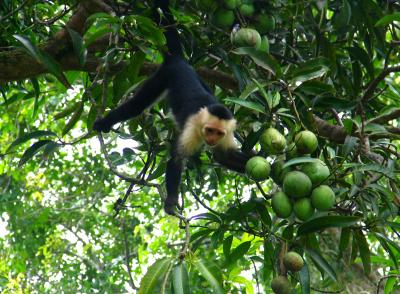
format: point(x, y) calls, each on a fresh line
point(213, 134)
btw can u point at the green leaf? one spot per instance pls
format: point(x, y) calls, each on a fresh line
point(209, 274)
point(31, 151)
point(79, 47)
point(272, 100)
point(262, 59)
point(238, 253)
point(304, 276)
point(299, 160)
point(160, 170)
point(390, 283)
point(74, 119)
point(359, 167)
point(307, 71)
point(100, 32)
point(180, 279)
point(365, 254)
point(390, 250)
point(248, 104)
point(349, 144)
point(200, 234)
point(29, 136)
point(209, 216)
point(103, 16)
point(344, 16)
point(227, 246)
point(322, 263)
point(315, 87)
point(151, 282)
point(264, 215)
point(387, 19)
point(29, 46)
point(250, 88)
point(362, 56)
point(53, 67)
point(344, 241)
point(323, 222)
point(36, 89)
point(248, 284)
point(269, 259)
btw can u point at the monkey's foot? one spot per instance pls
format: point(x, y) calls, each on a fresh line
point(171, 205)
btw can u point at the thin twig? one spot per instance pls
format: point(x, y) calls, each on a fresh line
point(374, 83)
point(383, 278)
point(127, 255)
point(120, 174)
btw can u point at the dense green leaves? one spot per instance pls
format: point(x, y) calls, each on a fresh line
point(324, 222)
point(211, 274)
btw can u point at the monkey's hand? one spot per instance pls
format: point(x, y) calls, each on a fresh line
point(102, 125)
point(170, 205)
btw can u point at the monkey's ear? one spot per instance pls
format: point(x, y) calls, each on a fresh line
point(102, 125)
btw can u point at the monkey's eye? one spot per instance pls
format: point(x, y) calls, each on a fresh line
point(220, 133)
point(209, 130)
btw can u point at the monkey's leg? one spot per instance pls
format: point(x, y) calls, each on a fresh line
point(173, 180)
point(145, 96)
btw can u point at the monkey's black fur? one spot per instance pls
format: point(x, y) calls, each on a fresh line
point(187, 94)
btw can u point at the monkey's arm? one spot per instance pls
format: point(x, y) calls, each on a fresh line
point(145, 96)
point(233, 159)
point(173, 180)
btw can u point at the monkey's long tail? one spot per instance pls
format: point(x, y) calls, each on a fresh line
point(171, 33)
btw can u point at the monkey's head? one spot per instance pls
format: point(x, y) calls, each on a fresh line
point(217, 123)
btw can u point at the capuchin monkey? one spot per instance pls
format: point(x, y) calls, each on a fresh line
point(199, 117)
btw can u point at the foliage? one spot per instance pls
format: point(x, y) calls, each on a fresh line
point(328, 66)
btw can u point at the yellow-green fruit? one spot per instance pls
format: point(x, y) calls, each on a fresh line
point(246, 38)
point(246, 9)
point(264, 44)
point(278, 172)
point(303, 209)
point(293, 261)
point(224, 18)
point(272, 141)
point(265, 23)
point(306, 142)
point(297, 184)
point(231, 4)
point(281, 285)
point(317, 171)
point(281, 205)
point(323, 198)
point(258, 168)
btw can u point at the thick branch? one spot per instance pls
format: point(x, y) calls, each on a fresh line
point(386, 117)
point(18, 64)
point(333, 133)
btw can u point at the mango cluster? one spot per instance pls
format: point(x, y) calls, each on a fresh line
point(225, 13)
point(303, 188)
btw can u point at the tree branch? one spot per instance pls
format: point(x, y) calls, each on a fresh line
point(386, 117)
point(17, 64)
point(333, 133)
point(374, 83)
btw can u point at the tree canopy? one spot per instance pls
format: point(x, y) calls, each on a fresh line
point(82, 212)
